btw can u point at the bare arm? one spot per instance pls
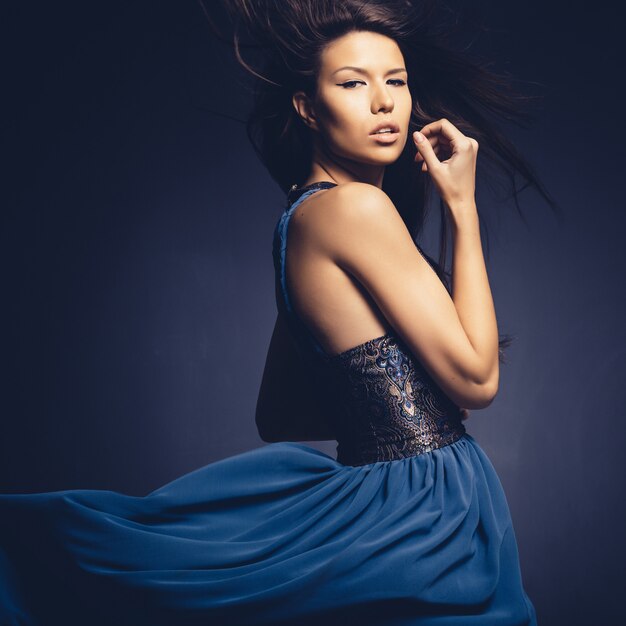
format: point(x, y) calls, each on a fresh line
point(368, 239)
point(472, 295)
point(454, 176)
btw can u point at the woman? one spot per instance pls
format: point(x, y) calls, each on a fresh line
point(409, 525)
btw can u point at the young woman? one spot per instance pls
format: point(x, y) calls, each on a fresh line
point(409, 524)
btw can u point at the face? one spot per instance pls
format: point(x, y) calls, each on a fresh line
point(352, 102)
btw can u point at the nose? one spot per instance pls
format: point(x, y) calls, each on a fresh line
point(382, 99)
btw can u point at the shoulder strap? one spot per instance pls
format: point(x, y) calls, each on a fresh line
point(308, 345)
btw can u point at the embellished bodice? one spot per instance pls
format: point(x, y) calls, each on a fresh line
point(390, 407)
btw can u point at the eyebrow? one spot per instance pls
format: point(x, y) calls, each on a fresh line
point(362, 71)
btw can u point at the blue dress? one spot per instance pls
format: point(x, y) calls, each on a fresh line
point(408, 526)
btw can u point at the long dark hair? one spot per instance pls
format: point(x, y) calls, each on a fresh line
point(289, 36)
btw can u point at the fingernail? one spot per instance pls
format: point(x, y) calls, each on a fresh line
point(419, 136)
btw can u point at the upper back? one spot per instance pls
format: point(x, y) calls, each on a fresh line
point(337, 308)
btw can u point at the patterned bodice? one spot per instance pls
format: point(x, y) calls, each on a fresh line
point(391, 408)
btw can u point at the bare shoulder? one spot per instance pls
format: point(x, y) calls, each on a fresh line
point(336, 215)
point(358, 214)
point(351, 200)
point(358, 203)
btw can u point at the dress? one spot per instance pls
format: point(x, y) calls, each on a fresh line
point(408, 526)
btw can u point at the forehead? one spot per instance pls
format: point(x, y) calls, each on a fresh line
point(371, 51)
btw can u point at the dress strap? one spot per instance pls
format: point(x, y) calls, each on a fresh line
point(306, 341)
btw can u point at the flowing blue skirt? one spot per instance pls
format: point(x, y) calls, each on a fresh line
point(282, 534)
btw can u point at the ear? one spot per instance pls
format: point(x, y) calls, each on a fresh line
point(304, 108)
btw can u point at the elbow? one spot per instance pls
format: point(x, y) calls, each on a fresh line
point(487, 390)
point(488, 395)
point(491, 386)
point(479, 395)
point(266, 437)
point(265, 432)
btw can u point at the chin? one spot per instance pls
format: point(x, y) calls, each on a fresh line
point(387, 159)
point(374, 155)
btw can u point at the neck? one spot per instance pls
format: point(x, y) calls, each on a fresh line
point(330, 167)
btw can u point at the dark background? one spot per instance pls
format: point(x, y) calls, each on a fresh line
point(137, 278)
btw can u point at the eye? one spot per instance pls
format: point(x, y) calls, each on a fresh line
point(349, 84)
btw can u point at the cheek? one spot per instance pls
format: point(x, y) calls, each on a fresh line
point(337, 114)
point(345, 109)
point(341, 126)
point(406, 101)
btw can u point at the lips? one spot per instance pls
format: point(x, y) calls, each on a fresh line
point(393, 126)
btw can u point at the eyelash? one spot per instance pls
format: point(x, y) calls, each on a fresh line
point(350, 82)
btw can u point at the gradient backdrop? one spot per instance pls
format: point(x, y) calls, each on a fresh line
point(137, 280)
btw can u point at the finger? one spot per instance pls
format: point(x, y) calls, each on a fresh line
point(426, 150)
point(436, 139)
point(438, 148)
point(434, 142)
point(445, 128)
point(441, 145)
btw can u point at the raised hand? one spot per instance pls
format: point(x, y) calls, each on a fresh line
point(450, 158)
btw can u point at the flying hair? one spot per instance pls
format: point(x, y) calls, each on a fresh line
point(286, 38)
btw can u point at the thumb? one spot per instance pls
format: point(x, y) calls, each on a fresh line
point(425, 150)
